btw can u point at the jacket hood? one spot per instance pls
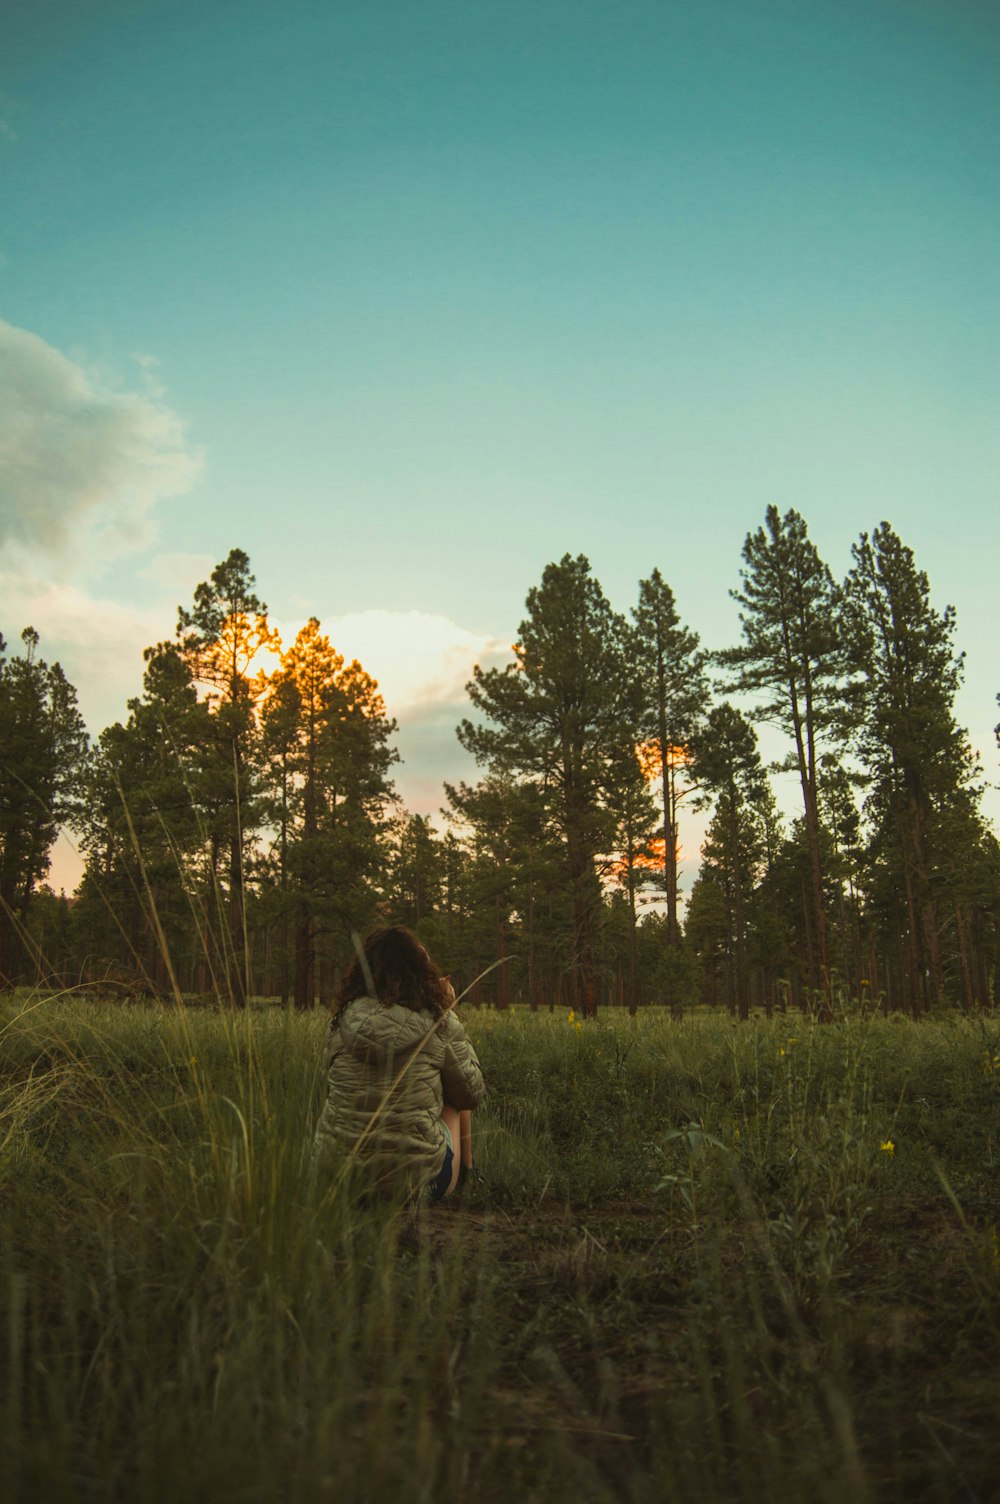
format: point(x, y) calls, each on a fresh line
point(374, 1031)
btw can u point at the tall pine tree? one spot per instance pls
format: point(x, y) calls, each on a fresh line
point(728, 765)
point(327, 723)
point(556, 716)
point(791, 657)
point(143, 830)
point(916, 756)
point(42, 746)
point(223, 638)
point(670, 669)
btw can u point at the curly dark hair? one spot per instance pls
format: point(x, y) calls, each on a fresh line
point(401, 971)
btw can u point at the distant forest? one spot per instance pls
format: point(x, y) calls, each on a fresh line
point(242, 822)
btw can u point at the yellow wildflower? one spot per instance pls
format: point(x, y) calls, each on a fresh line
point(578, 1026)
point(887, 1146)
point(780, 1050)
point(572, 1017)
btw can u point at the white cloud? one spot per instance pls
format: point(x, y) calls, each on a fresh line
point(82, 466)
point(420, 658)
point(78, 456)
point(422, 661)
point(177, 572)
point(99, 642)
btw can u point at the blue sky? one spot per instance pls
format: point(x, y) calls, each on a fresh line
point(408, 299)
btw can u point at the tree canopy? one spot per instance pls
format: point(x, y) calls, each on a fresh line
point(241, 821)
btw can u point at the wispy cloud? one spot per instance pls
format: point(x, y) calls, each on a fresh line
point(79, 457)
point(177, 572)
point(423, 662)
point(420, 658)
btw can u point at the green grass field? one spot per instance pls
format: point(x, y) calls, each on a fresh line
point(716, 1262)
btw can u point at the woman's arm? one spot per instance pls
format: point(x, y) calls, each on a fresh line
point(461, 1076)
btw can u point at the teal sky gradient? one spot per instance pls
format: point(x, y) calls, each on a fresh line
point(444, 290)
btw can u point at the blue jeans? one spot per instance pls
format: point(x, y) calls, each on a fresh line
point(442, 1180)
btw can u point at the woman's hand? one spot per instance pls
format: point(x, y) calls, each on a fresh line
point(449, 992)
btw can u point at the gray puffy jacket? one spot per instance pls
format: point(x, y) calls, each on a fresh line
point(390, 1072)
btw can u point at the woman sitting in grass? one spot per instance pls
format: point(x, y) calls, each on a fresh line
point(402, 1074)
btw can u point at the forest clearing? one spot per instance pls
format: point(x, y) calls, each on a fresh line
point(714, 1261)
point(739, 1238)
point(499, 753)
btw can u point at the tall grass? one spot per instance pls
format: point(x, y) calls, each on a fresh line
point(700, 1274)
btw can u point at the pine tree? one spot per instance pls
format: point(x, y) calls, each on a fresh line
point(634, 845)
point(280, 718)
point(670, 669)
point(43, 742)
point(556, 717)
point(510, 866)
point(417, 875)
point(792, 657)
point(222, 638)
point(728, 765)
point(486, 816)
point(840, 820)
point(916, 757)
point(327, 723)
point(708, 932)
point(143, 829)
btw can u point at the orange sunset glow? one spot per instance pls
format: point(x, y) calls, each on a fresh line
point(650, 859)
point(651, 763)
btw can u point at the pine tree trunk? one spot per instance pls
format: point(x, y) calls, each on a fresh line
point(326, 980)
point(803, 729)
point(821, 973)
point(670, 848)
point(633, 947)
point(932, 950)
point(912, 948)
point(532, 992)
point(808, 916)
point(304, 993)
point(929, 952)
point(9, 946)
point(211, 945)
point(503, 985)
point(743, 1002)
point(237, 926)
point(968, 990)
point(585, 967)
point(284, 884)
